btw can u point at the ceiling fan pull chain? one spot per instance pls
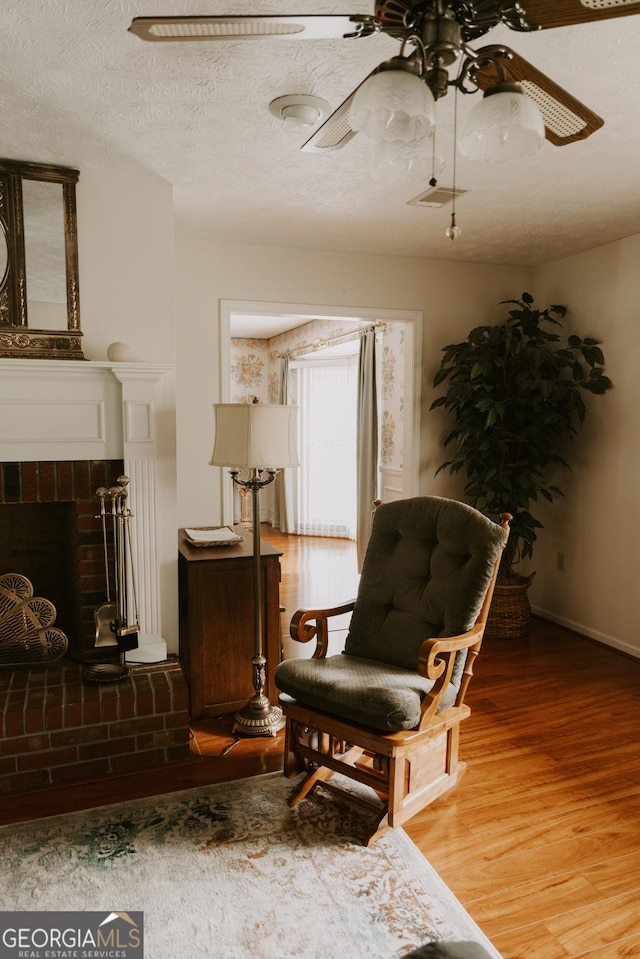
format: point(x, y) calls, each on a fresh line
point(434, 180)
point(453, 231)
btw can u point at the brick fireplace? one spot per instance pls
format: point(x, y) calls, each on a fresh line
point(65, 430)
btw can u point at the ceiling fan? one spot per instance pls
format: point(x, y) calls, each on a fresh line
point(438, 32)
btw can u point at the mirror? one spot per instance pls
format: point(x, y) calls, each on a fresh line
point(4, 258)
point(39, 295)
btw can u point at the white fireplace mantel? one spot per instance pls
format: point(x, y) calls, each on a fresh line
point(56, 410)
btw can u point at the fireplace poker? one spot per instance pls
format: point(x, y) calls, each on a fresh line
point(105, 613)
point(110, 672)
point(127, 633)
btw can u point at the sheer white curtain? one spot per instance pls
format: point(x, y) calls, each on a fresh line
point(367, 439)
point(326, 479)
point(281, 506)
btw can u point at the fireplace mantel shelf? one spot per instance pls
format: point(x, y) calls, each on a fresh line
point(79, 367)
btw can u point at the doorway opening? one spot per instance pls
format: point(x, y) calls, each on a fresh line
point(246, 370)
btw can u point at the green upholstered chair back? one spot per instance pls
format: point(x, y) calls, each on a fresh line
point(426, 570)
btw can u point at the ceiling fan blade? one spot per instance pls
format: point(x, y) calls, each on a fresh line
point(334, 133)
point(313, 27)
point(336, 130)
point(393, 15)
point(565, 118)
point(564, 13)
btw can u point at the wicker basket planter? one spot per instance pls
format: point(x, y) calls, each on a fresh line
point(510, 611)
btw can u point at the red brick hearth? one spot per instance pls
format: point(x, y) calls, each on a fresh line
point(58, 728)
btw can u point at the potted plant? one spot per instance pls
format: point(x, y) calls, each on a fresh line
point(516, 393)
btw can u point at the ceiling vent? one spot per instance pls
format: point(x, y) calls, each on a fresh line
point(437, 196)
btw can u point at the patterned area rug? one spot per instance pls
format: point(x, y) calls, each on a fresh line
point(230, 871)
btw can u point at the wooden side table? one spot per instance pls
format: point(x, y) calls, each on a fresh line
point(216, 622)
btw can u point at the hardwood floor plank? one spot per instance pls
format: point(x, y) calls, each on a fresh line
point(541, 829)
point(616, 876)
point(483, 875)
point(532, 942)
point(543, 899)
point(584, 928)
point(622, 949)
point(534, 903)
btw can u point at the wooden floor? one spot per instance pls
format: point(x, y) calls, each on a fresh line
point(540, 840)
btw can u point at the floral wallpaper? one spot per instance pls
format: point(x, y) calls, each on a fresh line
point(392, 365)
point(255, 373)
point(249, 370)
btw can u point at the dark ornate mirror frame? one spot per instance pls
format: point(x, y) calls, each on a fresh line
point(16, 339)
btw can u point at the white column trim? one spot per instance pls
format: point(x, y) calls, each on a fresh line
point(139, 455)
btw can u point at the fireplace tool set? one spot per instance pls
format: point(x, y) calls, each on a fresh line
point(117, 621)
point(27, 634)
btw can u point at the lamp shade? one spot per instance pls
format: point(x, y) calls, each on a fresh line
point(505, 125)
point(255, 436)
point(394, 104)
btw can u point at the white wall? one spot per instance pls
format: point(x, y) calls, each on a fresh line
point(596, 524)
point(126, 268)
point(453, 297)
point(125, 251)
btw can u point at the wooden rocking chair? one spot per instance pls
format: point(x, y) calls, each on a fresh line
point(386, 712)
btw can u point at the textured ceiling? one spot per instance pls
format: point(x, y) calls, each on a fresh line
point(77, 89)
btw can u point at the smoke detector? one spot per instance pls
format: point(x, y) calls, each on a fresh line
point(299, 109)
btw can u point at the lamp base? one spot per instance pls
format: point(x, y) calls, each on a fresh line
point(258, 718)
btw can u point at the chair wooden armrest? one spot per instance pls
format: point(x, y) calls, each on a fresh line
point(436, 660)
point(307, 624)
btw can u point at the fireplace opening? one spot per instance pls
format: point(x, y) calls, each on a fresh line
point(39, 541)
point(51, 532)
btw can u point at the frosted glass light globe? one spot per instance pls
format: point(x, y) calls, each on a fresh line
point(506, 125)
point(396, 162)
point(393, 105)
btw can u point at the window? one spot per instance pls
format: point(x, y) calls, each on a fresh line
point(326, 480)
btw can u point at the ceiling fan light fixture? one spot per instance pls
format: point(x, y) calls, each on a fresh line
point(505, 125)
point(394, 162)
point(394, 104)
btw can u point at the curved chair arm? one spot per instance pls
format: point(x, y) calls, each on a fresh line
point(302, 630)
point(433, 665)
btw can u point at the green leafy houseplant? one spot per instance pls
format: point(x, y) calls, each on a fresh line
point(515, 391)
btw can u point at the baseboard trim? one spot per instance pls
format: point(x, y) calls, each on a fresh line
point(603, 639)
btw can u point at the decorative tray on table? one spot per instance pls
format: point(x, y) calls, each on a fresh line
point(212, 536)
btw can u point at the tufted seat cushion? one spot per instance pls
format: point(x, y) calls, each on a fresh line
point(363, 691)
point(425, 574)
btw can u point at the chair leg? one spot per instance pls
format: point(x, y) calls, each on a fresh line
point(293, 763)
point(320, 774)
point(317, 775)
point(380, 827)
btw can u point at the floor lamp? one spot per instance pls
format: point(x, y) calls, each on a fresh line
point(255, 440)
